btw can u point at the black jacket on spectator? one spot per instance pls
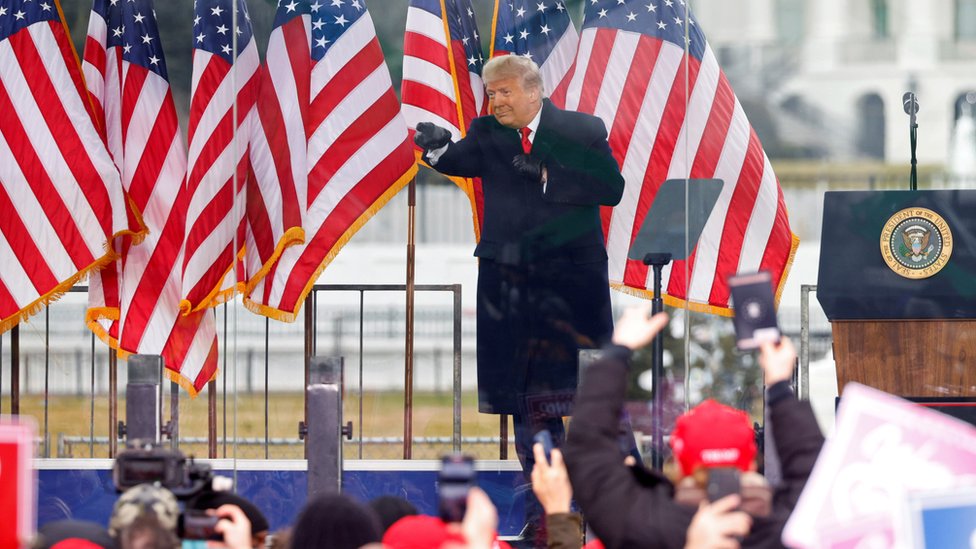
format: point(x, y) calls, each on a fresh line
point(627, 513)
point(542, 276)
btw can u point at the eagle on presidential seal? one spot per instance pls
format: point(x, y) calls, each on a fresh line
point(916, 240)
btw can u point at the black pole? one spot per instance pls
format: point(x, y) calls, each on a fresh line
point(657, 263)
point(910, 103)
point(913, 136)
point(15, 370)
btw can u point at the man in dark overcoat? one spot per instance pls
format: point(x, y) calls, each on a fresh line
point(543, 292)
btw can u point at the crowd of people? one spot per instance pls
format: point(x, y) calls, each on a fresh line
point(588, 485)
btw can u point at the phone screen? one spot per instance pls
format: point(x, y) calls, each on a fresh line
point(544, 437)
point(755, 310)
point(722, 481)
point(455, 479)
point(199, 525)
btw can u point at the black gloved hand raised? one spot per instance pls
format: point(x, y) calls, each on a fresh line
point(430, 136)
point(528, 166)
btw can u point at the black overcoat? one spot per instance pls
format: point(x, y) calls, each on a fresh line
point(542, 277)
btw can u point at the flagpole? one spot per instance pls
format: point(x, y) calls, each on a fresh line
point(113, 403)
point(15, 370)
point(408, 367)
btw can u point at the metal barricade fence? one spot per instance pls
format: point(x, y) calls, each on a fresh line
point(80, 373)
point(74, 369)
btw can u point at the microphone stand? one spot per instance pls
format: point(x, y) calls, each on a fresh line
point(911, 107)
point(657, 261)
point(913, 137)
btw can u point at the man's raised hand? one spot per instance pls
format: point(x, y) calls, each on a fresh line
point(430, 136)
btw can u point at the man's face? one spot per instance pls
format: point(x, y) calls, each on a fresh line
point(512, 106)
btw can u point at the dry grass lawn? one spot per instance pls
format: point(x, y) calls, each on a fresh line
point(73, 419)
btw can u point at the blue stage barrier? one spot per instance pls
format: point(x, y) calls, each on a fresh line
point(83, 488)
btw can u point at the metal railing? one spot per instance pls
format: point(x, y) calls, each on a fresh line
point(86, 372)
point(311, 312)
point(311, 345)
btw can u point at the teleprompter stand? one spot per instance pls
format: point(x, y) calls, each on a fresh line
point(669, 232)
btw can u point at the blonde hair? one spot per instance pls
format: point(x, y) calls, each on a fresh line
point(514, 66)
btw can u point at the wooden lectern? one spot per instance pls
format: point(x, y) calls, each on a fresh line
point(897, 281)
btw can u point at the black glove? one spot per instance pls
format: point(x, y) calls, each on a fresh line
point(528, 166)
point(430, 136)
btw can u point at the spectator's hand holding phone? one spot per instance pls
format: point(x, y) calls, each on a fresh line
point(233, 526)
point(777, 360)
point(718, 525)
point(480, 525)
point(550, 481)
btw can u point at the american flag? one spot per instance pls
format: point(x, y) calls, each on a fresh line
point(673, 115)
point(540, 30)
point(442, 84)
point(128, 81)
point(339, 135)
point(224, 85)
point(61, 194)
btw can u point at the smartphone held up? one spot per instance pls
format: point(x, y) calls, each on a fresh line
point(454, 481)
point(755, 310)
point(544, 438)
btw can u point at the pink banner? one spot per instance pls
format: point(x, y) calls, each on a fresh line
point(883, 449)
point(17, 483)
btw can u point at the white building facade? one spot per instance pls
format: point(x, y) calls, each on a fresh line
point(836, 70)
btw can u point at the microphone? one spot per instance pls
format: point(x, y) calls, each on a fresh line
point(910, 101)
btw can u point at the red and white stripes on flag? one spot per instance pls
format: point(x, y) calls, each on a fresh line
point(277, 150)
point(223, 86)
point(340, 136)
point(128, 80)
point(61, 195)
point(442, 83)
point(673, 115)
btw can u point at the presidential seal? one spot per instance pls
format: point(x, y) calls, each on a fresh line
point(916, 243)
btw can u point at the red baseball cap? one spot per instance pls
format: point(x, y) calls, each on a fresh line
point(424, 532)
point(713, 435)
point(418, 532)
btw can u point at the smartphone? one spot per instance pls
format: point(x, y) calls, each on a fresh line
point(454, 481)
point(722, 481)
point(755, 310)
point(200, 525)
point(544, 438)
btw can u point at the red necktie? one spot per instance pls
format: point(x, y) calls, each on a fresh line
point(526, 144)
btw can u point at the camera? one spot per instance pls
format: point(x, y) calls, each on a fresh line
point(199, 525)
point(455, 479)
point(147, 463)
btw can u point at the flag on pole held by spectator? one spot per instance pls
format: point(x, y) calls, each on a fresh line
point(673, 114)
point(61, 194)
point(540, 30)
point(223, 92)
point(442, 84)
point(341, 141)
point(128, 80)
